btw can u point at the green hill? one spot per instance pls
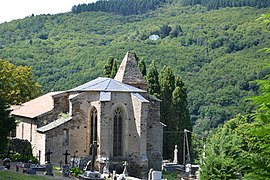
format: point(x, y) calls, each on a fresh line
point(215, 52)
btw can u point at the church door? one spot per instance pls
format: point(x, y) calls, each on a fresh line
point(117, 132)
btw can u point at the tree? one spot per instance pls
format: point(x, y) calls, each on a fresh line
point(152, 80)
point(242, 145)
point(167, 85)
point(17, 83)
point(260, 155)
point(108, 67)
point(142, 67)
point(114, 69)
point(181, 114)
point(223, 153)
point(164, 31)
point(7, 123)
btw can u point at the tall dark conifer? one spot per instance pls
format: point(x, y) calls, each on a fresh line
point(7, 124)
point(152, 80)
point(181, 116)
point(108, 67)
point(167, 85)
point(114, 69)
point(142, 67)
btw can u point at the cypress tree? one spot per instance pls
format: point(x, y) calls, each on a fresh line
point(167, 85)
point(181, 115)
point(152, 80)
point(114, 69)
point(108, 67)
point(142, 67)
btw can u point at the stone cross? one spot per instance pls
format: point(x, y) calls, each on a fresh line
point(94, 151)
point(47, 155)
point(175, 159)
point(125, 168)
point(66, 154)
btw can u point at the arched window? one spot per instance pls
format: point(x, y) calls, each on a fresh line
point(117, 132)
point(93, 127)
point(65, 138)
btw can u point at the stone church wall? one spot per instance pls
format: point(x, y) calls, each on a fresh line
point(139, 162)
point(154, 135)
point(61, 105)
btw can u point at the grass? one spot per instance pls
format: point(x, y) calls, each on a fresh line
point(9, 175)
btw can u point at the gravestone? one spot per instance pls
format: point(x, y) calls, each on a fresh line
point(65, 171)
point(94, 152)
point(175, 159)
point(48, 166)
point(156, 175)
point(81, 163)
point(74, 159)
point(48, 169)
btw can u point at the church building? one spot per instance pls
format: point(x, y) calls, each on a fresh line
point(116, 113)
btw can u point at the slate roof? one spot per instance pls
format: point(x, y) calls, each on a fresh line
point(139, 97)
point(35, 107)
point(106, 85)
point(53, 124)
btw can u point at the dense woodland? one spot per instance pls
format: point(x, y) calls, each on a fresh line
point(124, 7)
point(129, 7)
point(215, 52)
point(216, 4)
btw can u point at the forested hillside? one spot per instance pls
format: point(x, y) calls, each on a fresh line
point(124, 7)
point(215, 52)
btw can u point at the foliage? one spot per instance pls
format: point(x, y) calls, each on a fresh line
point(181, 117)
point(21, 146)
point(215, 52)
point(114, 69)
point(223, 153)
point(17, 83)
point(153, 80)
point(174, 112)
point(124, 7)
point(242, 144)
point(108, 67)
point(7, 124)
point(75, 171)
point(167, 84)
point(216, 4)
point(142, 67)
point(23, 158)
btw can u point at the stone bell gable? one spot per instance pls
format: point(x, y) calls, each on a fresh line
point(129, 73)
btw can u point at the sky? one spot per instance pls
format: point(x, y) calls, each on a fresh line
point(18, 9)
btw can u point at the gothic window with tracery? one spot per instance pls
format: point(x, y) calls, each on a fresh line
point(93, 127)
point(117, 132)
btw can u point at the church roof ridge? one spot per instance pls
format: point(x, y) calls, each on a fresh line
point(39, 105)
point(106, 85)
